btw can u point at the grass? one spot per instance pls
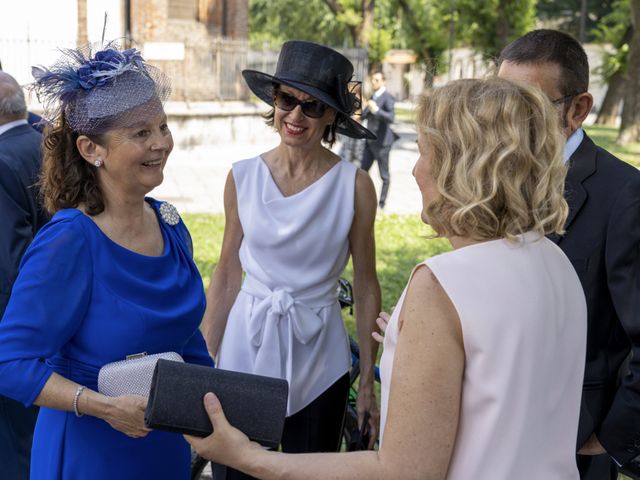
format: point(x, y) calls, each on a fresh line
point(404, 115)
point(606, 138)
point(401, 243)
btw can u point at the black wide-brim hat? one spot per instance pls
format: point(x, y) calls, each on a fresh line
point(318, 71)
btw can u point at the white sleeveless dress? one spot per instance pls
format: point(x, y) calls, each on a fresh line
point(524, 323)
point(286, 320)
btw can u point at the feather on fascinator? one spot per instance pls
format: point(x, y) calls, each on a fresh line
point(94, 90)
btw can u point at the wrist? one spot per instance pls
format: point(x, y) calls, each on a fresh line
point(76, 399)
point(254, 460)
point(95, 404)
point(366, 376)
point(365, 387)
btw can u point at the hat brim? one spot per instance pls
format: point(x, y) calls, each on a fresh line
point(261, 84)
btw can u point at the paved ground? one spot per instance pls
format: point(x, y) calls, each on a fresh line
point(194, 178)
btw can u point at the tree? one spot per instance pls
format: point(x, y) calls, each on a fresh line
point(491, 25)
point(615, 30)
point(630, 125)
point(424, 26)
point(357, 15)
point(272, 22)
point(425, 29)
point(566, 15)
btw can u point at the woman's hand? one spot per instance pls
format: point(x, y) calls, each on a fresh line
point(227, 444)
point(367, 403)
point(382, 321)
point(126, 414)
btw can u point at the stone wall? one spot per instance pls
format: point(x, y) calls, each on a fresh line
point(218, 123)
point(210, 67)
point(228, 18)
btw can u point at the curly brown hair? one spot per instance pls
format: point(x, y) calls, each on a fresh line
point(67, 179)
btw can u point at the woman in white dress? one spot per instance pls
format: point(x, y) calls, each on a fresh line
point(294, 214)
point(484, 354)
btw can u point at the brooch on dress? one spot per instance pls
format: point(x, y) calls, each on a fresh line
point(169, 213)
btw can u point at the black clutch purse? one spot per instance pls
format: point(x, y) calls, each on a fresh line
point(254, 404)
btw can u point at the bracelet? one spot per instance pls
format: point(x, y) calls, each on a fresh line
point(75, 402)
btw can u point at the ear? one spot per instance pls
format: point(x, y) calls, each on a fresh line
point(90, 150)
point(580, 108)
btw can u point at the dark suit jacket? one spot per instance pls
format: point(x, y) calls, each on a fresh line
point(35, 121)
point(602, 241)
point(20, 159)
point(380, 122)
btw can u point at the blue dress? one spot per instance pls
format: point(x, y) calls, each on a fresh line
point(81, 301)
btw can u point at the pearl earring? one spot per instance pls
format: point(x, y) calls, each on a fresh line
point(98, 162)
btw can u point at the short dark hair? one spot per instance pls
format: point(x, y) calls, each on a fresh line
point(329, 135)
point(380, 72)
point(552, 46)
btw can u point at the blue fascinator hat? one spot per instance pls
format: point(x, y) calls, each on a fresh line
point(97, 91)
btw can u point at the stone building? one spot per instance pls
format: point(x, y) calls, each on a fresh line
point(201, 44)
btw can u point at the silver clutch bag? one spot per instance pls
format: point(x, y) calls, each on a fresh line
point(131, 376)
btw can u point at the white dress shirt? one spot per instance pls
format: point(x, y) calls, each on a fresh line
point(8, 126)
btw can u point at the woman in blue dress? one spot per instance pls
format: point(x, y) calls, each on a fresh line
point(111, 275)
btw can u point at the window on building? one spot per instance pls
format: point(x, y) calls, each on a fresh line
point(183, 9)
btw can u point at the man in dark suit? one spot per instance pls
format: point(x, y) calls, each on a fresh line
point(32, 119)
point(379, 114)
point(602, 241)
point(20, 159)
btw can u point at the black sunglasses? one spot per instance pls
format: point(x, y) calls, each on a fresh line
point(311, 108)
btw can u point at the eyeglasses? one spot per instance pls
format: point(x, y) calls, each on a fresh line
point(311, 108)
point(563, 100)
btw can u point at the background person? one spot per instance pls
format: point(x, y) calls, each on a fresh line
point(379, 114)
point(602, 240)
point(110, 275)
point(293, 216)
point(20, 159)
point(484, 354)
point(351, 149)
point(32, 119)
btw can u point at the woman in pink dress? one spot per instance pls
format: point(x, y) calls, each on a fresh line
point(484, 354)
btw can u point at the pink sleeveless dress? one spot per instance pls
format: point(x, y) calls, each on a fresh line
point(524, 322)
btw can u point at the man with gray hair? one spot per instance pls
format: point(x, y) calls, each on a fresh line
point(22, 217)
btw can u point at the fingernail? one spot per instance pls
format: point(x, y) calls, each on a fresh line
point(208, 398)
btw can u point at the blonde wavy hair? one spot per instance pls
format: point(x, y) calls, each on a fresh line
point(497, 160)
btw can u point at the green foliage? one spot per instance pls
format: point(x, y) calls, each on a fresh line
point(490, 25)
point(272, 22)
point(565, 15)
point(380, 42)
point(425, 30)
point(351, 14)
point(613, 29)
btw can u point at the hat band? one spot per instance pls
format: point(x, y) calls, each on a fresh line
point(320, 85)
